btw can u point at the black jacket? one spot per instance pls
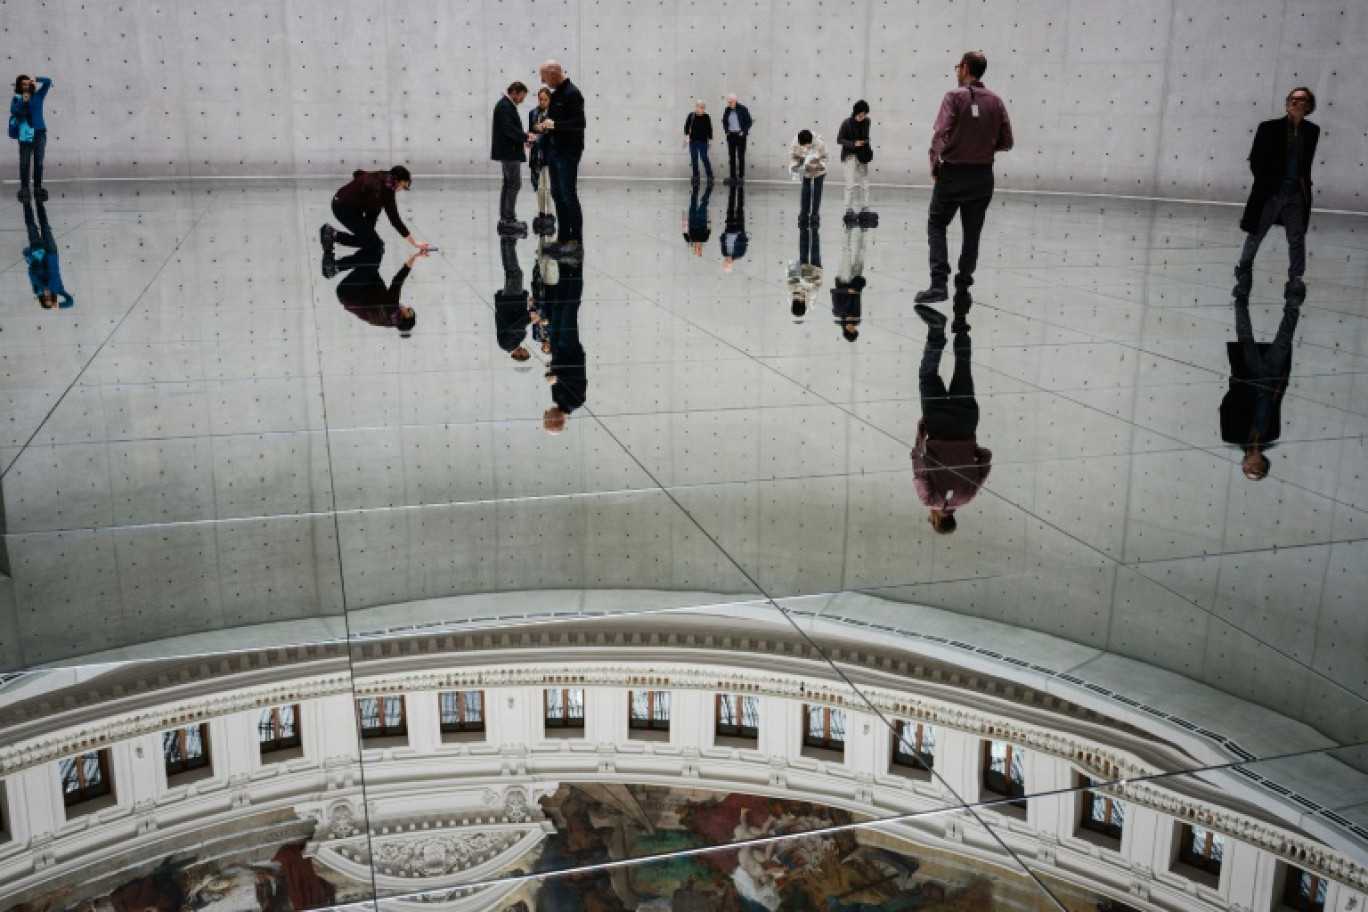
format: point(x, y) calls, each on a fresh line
point(851, 131)
point(511, 319)
point(1268, 164)
point(567, 112)
point(507, 144)
point(1251, 411)
point(698, 127)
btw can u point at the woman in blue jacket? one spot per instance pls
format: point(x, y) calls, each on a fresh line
point(26, 109)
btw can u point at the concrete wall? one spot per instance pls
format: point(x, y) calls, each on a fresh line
point(1150, 97)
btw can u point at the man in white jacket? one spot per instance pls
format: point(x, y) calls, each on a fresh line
point(808, 160)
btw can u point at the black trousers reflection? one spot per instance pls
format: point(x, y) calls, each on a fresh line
point(949, 412)
point(811, 200)
point(810, 247)
point(967, 190)
point(360, 227)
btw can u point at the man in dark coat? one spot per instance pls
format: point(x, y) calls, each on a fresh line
point(1251, 411)
point(565, 122)
point(1280, 160)
point(507, 148)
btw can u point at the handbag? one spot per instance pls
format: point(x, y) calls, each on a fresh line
point(13, 128)
point(865, 154)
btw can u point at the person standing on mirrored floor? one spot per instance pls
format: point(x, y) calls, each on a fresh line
point(537, 142)
point(1251, 411)
point(808, 163)
point(847, 292)
point(736, 124)
point(44, 261)
point(508, 148)
point(948, 466)
point(805, 273)
point(29, 127)
point(566, 373)
point(698, 136)
point(365, 295)
point(512, 304)
point(358, 206)
point(856, 154)
point(698, 220)
point(971, 128)
point(1280, 160)
point(565, 123)
point(734, 239)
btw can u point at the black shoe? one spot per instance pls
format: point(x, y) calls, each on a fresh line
point(850, 218)
point(931, 317)
point(512, 229)
point(544, 225)
point(804, 221)
point(727, 181)
point(932, 295)
point(23, 194)
point(963, 301)
point(1294, 290)
point(814, 220)
point(868, 219)
point(694, 180)
point(329, 266)
point(570, 253)
point(1244, 281)
point(710, 180)
point(41, 193)
point(327, 236)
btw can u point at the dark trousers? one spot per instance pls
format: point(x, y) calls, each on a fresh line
point(698, 148)
point(812, 196)
point(360, 227)
point(951, 412)
point(736, 155)
point(1291, 205)
point(967, 190)
point(31, 156)
point(508, 195)
point(698, 209)
point(512, 269)
point(564, 191)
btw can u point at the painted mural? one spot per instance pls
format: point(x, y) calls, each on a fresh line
point(284, 881)
point(845, 871)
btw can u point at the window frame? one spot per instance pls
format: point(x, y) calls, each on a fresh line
point(1015, 792)
point(83, 795)
point(918, 760)
point(826, 741)
point(461, 725)
point(1088, 789)
point(205, 761)
point(1292, 885)
point(1206, 863)
point(650, 722)
point(740, 730)
point(279, 742)
point(384, 730)
point(565, 721)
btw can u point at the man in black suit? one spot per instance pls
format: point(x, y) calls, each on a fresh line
point(507, 148)
point(1280, 161)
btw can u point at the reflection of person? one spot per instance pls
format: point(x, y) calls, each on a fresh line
point(565, 123)
point(44, 261)
point(847, 291)
point(736, 123)
point(698, 136)
point(808, 159)
point(364, 294)
point(805, 273)
point(358, 206)
point(566, 372)
point(1280, 160)
point(26, 109)
point(734, 239)
point(856, 154)
point(1251, 412)
point(698, 221)
point(949, 466)
point(971, 127)
point(507, 148)
point(512, 313)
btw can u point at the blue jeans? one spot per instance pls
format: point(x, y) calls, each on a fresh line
point(698, 148)
point(564, 178)
point(32, 152)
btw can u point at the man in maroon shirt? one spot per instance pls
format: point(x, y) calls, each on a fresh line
point(972, 125)
point(948, 466)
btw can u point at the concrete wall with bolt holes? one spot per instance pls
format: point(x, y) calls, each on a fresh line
point(1149, 97)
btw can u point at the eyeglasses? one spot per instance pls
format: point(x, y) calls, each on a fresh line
point(1299, 100)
